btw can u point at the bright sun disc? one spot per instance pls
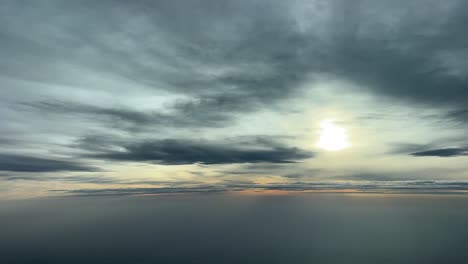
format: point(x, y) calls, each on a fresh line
point(332, 137)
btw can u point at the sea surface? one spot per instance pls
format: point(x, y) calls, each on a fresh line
point(236, 228)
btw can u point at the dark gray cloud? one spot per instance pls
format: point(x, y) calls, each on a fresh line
point(432, 149)
point(240, 56)
point(175, 151)
point(460, 115)
point(427, 150)
point(183, 54)
point(20, 163)
point(406, 59)
point(444, 152)
point(265, 47)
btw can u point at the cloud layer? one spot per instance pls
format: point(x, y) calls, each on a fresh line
point(232, 82)
point(389, 187)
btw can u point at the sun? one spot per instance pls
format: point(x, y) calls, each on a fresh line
point(332, 137)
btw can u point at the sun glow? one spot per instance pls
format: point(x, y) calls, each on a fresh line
point(332, 137)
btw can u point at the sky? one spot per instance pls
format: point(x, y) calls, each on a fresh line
point(162, 97)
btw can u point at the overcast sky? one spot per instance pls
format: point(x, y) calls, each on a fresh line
point(149, 97)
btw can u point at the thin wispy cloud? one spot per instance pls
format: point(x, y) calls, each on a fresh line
point(382, 187)
point(19, 163)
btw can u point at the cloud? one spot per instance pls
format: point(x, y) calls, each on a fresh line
point(140, 191)
point(211, 111)
point(444, 152)
point(421, 174)
point(258, 51)
point(19, 163)
point(460, 114)
point(405, 148)
point(229, 68)
point(391, 62)
point(428, 150)
point(186, 151)
point(158, 75)
point(402, 187)
point(79, 178)
point(94, 179)
point(240, 56)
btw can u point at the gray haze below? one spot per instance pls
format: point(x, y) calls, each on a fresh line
point(222, 228)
